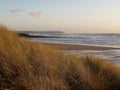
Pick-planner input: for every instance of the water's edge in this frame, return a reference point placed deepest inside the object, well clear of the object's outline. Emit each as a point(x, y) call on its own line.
point(111, 55)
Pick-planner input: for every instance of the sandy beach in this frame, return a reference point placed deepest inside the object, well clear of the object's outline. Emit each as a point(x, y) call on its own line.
point(76, 47)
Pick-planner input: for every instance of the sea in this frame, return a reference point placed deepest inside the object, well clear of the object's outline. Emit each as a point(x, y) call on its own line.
point(98, 39)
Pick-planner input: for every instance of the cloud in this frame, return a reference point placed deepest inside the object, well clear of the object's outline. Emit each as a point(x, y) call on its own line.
point(16, 10)
point(34, 13)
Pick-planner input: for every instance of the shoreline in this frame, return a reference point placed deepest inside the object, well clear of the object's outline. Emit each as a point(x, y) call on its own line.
point(76, 46)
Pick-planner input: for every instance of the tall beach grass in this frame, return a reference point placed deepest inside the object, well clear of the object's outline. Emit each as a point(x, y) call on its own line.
point(28, 66)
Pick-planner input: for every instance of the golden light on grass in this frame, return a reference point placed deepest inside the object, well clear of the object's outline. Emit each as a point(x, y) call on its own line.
point(29, 66)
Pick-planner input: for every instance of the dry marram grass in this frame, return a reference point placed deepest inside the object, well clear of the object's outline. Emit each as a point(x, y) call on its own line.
point(28, 66)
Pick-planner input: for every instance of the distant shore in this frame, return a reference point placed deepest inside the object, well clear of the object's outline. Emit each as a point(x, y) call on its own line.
point(76, 47)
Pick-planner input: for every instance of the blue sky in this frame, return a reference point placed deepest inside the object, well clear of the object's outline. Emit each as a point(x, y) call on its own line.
point(83, 16)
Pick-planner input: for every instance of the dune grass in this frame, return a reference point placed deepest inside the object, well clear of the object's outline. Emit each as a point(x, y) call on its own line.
point(28, 66)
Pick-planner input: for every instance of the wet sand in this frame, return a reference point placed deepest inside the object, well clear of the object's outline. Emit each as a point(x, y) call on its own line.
point(76, 47)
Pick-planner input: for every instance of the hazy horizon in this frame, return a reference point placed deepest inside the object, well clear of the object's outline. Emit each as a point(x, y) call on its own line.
point(72, 16)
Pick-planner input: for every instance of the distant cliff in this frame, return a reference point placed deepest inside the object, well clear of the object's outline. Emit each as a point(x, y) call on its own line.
point(54, 32)
point(31, 34)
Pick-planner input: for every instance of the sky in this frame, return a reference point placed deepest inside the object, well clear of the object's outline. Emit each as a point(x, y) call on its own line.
point(73, 16)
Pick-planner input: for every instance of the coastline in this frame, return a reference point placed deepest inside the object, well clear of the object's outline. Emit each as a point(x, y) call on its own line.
point(109, 53)
point(76, 47)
